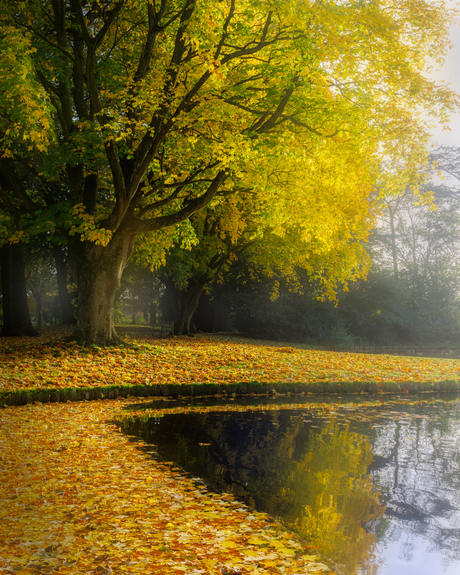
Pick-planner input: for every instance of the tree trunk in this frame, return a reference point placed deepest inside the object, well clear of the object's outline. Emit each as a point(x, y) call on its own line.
point(16, 316)
point(98, 272)
point(189, 303)
point(204, 315)
point(393, 243)
point(183, 303)
point(67, 315)
point(153, 314)
point(38, 307)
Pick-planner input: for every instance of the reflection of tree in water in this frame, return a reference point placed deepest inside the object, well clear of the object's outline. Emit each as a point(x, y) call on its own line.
point(339, 497)
point(316, 480)
point(417, 466)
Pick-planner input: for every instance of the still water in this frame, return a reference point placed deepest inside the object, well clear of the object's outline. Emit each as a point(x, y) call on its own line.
point(374, 486)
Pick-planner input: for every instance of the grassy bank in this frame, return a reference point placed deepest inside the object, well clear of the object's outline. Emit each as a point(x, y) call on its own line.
point(49, 369)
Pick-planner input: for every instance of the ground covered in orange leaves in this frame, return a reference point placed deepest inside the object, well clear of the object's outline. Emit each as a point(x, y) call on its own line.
point(31, 363)
point(78, 497)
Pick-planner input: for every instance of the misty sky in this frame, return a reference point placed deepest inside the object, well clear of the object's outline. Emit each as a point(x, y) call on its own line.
point(451, 74)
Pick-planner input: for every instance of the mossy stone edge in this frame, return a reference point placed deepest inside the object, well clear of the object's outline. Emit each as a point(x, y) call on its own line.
point(27, 396)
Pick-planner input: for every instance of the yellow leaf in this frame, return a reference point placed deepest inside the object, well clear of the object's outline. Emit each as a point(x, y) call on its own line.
point(257, 541)
point(251, 552)
point(286, 551)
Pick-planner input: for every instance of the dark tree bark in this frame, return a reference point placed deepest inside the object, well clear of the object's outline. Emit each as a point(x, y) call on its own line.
point(204, 315)
point(38, 306)
point(393, 243)
point(98, 272)
point(189, 302)
point(153, 313)
point(67, 315)
point(16, 316)
point(183, 304)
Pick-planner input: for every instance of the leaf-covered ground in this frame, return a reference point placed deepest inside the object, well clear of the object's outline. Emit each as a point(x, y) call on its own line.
point(78, 497)
point(33, 364)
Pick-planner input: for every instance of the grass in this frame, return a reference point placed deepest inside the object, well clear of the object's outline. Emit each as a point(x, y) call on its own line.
point(49, 369)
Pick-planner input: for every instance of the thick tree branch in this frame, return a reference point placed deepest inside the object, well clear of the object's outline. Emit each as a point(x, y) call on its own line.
point(153, 138)
point(160, 203)
point(148, 47)
point(224, 36)
point(264, 125)
point(63, 86)
point(136, 225)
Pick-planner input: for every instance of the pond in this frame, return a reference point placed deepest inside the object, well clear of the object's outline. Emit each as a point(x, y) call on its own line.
point(374, 486)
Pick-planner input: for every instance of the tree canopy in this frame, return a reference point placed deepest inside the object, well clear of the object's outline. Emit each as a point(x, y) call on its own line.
point(275, 240)
point(123, 117)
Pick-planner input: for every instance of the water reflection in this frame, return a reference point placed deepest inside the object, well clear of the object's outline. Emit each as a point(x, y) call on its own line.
point(337, 495)
point(416, 462)
point(376, 489)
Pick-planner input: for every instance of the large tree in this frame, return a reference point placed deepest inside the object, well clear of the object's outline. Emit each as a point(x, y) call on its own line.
point(121, 117)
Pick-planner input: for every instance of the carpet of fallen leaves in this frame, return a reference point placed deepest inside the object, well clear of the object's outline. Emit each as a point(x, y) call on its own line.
point(33, 363)
point(79, 497)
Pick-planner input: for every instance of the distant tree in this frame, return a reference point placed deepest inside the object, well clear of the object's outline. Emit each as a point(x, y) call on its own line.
point(410, 295)
point(273, 307)
point(60, 257)
point(376, 310)
point(446, 162)
point(140, 291)
point(46, 278)
point(420, 246)
point(41, 280)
